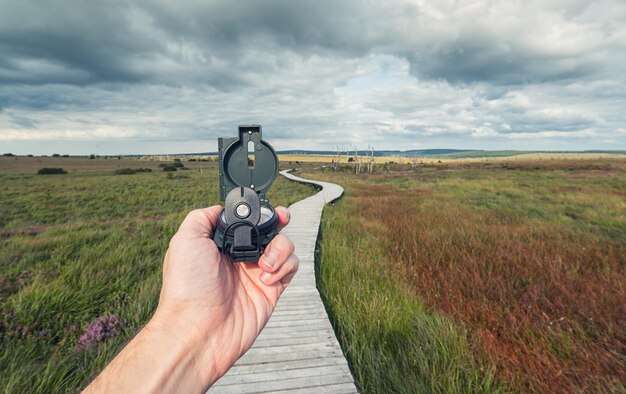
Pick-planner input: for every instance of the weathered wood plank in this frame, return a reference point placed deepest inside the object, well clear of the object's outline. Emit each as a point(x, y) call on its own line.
point(319, 337)
point(279, 366)
point(310, 371)
point(260, 358)
point(283, 384)
point(297, 351)
point(341, 388)
point(306, 332)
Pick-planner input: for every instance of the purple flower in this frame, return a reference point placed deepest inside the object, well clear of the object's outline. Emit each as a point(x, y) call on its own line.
point(98, 330)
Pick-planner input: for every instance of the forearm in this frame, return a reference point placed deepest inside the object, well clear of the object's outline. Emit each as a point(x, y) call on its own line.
point(159, 359)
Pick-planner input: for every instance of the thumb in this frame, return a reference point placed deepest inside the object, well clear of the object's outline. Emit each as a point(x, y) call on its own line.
point(200, 223)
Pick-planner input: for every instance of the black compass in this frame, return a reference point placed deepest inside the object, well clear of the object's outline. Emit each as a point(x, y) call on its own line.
point(248, 166)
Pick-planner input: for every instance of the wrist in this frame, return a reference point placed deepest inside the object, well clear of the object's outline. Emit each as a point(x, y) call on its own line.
point(161, 358)
point(187, 346)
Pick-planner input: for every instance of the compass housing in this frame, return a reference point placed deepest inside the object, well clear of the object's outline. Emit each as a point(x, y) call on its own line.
point(247, 168)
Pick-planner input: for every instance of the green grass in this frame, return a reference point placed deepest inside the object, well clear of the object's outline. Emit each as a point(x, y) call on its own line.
point(78, 246)
point(479, 278)
point(395, 344)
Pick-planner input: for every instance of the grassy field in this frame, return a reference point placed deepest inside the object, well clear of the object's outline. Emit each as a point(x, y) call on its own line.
point(80, 260)
point(459, 276)
point(480, 276)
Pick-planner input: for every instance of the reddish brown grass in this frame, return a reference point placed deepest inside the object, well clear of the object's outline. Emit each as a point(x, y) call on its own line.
point(546, 303)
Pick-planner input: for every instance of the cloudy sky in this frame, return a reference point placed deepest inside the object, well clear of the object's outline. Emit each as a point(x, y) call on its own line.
point(169, 76)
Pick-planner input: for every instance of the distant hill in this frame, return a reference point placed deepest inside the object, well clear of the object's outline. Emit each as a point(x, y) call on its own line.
point(406, 153)
point(432, 153)
point(507, 153)
point(443, 153)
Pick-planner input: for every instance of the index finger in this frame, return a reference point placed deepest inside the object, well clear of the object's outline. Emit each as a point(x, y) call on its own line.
point(284, 216)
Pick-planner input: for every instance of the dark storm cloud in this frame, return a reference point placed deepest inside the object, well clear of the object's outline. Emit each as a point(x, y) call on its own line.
point(339, 72)
point(172, 42)
point(68, 42)
point(93, 42)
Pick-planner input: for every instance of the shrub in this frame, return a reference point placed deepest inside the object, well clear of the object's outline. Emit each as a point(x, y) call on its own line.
point(92, 156)
point(51, 171)
point(177, 176)
point(176, 164)
point(8, 154)
point(130, 171)
point(170, 168)
point(56, 155)
point(125, 171)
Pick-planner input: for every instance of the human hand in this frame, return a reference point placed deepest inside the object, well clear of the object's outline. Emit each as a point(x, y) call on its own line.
point(210, 312)
point(221, 305)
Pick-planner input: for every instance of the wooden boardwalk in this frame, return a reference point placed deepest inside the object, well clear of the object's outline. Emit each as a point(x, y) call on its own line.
point(297, 351)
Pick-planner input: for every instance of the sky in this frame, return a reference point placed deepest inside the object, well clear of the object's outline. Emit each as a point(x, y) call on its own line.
point(124, 77)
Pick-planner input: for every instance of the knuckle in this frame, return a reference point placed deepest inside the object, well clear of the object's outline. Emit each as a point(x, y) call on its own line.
point(283, 244)
point(286, 212)
point(295, 263)
point(195, 215)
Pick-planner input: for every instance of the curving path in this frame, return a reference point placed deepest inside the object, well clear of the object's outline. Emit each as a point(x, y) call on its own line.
point(297, 351)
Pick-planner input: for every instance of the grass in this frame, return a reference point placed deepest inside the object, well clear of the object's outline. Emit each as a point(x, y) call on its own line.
point(461, 276)
point(481, 277)
point(84, 245)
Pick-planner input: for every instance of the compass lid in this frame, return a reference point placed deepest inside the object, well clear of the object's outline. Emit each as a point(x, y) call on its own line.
point(247, 161)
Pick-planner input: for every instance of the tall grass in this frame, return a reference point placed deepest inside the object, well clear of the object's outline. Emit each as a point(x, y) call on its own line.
point(393, 341)
point(83, 246)
point(515, 271)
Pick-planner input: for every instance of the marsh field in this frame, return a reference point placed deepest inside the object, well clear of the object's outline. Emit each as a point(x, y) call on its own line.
point(80, 260)
point(485, 276)
point(490, 276)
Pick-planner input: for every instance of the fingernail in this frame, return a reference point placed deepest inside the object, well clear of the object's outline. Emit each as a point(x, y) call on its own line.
point(266, 277)
point(268, 260)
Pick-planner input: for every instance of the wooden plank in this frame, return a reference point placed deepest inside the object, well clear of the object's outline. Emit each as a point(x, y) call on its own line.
point(302, 315)
point(297, 350)
point(284, 384)
point(318, 325)
point(280, 366)
point(306, 332)
point(287, 374)
point(341, 388)
point(293, 310)
point(318, 337)
point(296, 322)
point(259, 358)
